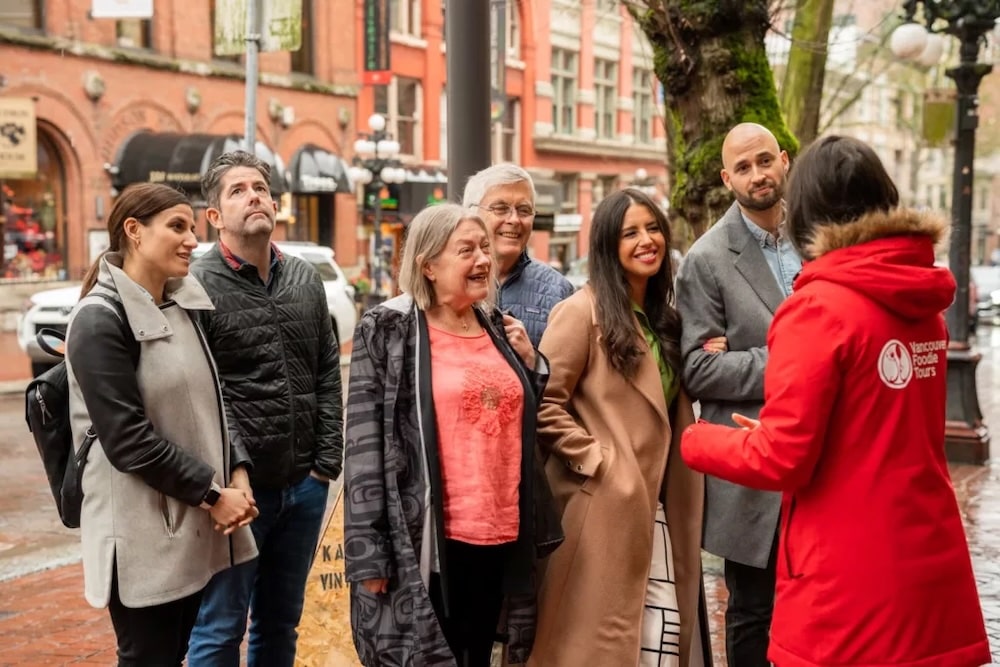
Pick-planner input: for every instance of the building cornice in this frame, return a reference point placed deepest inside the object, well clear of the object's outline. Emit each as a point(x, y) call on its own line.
point(572, 145)
point(152, 60)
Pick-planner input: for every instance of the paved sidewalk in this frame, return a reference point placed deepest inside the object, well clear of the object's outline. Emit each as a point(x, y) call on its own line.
point(44, 620)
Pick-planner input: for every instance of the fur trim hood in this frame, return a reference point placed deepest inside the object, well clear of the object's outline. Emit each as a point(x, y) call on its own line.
point(878, 225)
point(888, 257)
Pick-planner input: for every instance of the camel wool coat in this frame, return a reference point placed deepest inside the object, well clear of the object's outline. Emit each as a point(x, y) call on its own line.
point(612, 455)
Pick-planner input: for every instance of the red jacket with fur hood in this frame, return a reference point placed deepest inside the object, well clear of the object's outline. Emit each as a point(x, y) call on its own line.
point(873, 566)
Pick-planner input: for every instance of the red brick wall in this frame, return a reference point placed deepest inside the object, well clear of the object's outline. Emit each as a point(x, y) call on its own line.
point(138, 97)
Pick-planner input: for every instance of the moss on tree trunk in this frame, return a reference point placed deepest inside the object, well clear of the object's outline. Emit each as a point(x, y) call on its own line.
point(709, 55)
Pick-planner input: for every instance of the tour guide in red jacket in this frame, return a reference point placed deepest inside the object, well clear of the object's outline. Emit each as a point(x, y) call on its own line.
point(873, 566)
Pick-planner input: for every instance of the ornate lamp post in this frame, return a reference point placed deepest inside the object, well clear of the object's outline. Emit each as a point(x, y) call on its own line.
point(375, 164)
point(966, 437)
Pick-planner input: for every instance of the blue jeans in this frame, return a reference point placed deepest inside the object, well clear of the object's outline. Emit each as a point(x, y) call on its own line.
point(272, 586)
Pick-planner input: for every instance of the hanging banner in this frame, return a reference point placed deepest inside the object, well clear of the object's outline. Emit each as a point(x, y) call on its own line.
point(18, 138)
point(377, 70)
point(498, 58)
point(280, 26)
point(121, 9)
point(325, 638)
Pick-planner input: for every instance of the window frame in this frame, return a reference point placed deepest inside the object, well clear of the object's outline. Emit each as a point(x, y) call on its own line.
point(605, 98)
point(565, 63)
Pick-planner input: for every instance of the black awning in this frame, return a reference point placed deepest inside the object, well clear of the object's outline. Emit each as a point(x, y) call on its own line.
point(180, 160)
point(317, 170)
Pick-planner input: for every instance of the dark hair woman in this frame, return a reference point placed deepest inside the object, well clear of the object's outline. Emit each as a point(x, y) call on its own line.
point(873, 566)
point(158, 516)
point(624, 589)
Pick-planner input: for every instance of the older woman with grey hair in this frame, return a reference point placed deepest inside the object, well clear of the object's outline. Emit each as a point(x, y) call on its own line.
point(446, 506)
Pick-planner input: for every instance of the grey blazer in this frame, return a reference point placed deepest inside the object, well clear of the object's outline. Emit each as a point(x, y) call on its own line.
point(725, 288)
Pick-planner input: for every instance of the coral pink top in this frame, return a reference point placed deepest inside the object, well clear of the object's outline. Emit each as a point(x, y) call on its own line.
point(479, 403)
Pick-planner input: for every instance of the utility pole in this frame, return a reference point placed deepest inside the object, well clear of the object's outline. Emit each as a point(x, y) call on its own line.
point(252, 49)
point(467, 35)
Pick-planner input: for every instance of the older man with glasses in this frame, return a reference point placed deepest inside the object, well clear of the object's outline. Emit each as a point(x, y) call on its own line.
point(504, 194)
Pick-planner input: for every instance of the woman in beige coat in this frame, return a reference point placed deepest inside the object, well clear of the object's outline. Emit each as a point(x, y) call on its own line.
point(166, 499)
point(625, 587)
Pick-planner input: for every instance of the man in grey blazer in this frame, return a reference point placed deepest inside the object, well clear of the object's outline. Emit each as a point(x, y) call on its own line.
point(729, 285)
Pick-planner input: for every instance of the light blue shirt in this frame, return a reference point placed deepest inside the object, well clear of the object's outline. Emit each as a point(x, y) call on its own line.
point(780, 254)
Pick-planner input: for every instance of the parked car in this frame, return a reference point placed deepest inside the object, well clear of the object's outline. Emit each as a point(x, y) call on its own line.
point(577, 273)
point(984, 282)
point(51, 308)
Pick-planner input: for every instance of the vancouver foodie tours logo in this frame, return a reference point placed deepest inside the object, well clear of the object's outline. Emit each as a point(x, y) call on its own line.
point(899, 363)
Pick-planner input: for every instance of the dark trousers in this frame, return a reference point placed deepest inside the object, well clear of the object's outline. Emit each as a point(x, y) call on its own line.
point(748, 613)
point(154, 636)
point(475, 596)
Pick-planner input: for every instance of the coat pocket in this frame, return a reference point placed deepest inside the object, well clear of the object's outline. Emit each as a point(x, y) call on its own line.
point(168, 520)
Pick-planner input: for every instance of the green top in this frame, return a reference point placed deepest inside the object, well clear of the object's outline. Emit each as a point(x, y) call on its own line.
point(668, 378)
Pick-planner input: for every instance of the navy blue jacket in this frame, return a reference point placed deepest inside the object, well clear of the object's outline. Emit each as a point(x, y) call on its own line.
point(530, 292)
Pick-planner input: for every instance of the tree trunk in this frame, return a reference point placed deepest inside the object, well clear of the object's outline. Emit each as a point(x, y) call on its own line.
point(710, 58)
point(802, 88)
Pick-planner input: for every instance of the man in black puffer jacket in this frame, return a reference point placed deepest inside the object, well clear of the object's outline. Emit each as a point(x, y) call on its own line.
point(272, 339)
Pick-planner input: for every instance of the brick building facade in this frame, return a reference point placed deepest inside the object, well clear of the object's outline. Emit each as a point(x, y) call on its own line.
point(581, 112)
point(119, 101)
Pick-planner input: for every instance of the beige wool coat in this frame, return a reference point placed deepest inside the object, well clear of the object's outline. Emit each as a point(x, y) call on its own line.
point(164, 549)
point(614, 451)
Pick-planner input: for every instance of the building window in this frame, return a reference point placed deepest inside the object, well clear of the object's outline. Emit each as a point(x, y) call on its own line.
point(400, 102)
point(568, 190)
point(605, 95)
point(513, 29)
point(25, 14)
point(506, 133)
point(404, 17)
point(32, 221)
point(134, 33)
point(604, 186)
point(608, 6)
point(642, 106)
point(564, 74)
point(303, 60)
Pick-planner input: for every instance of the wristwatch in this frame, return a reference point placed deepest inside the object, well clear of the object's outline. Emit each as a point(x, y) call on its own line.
point(211, 496)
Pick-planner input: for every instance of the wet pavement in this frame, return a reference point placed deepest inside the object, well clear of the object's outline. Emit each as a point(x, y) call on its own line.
point(44, 620)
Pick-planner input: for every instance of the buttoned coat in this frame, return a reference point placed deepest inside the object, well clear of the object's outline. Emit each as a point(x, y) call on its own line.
point(725, 288)
point(161, 441)
point(613, 453)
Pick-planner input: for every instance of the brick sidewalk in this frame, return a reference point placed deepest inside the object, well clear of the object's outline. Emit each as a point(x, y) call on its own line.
point(44, 620)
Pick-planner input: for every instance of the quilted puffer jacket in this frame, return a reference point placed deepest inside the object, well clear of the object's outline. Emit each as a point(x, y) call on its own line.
point(530, 293)
point(279, 365)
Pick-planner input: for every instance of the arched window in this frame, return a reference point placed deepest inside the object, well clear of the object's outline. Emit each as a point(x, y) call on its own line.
point(33, 220)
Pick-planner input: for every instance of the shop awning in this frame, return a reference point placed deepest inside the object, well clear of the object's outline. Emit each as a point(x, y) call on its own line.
point(317, 170)
point(180, 160)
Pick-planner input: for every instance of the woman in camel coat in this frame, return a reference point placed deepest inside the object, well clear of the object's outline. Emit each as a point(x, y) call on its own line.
point(612, 439)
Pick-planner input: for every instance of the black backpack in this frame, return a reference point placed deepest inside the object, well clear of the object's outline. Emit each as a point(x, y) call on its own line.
point(46, 409)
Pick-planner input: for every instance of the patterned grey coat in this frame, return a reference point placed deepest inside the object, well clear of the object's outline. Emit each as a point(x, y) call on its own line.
point(393, 520)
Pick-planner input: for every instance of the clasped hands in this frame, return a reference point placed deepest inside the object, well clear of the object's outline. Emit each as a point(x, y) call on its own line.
point(236, 506)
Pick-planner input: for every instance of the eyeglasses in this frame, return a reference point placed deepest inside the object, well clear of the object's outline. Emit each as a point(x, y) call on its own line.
point(502, 210)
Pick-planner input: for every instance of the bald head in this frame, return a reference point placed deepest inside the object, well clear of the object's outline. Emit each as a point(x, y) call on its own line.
point(747, 133)
point(754, 167)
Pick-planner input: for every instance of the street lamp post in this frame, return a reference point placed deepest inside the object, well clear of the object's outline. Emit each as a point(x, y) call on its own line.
point(966, 436)
point(375, 164)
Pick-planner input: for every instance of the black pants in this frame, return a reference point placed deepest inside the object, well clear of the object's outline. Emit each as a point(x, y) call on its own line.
point(154, 636)
point(475, 596)
point(748, 613)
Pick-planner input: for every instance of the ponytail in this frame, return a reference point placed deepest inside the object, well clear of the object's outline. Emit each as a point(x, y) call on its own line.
point(90, 278)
